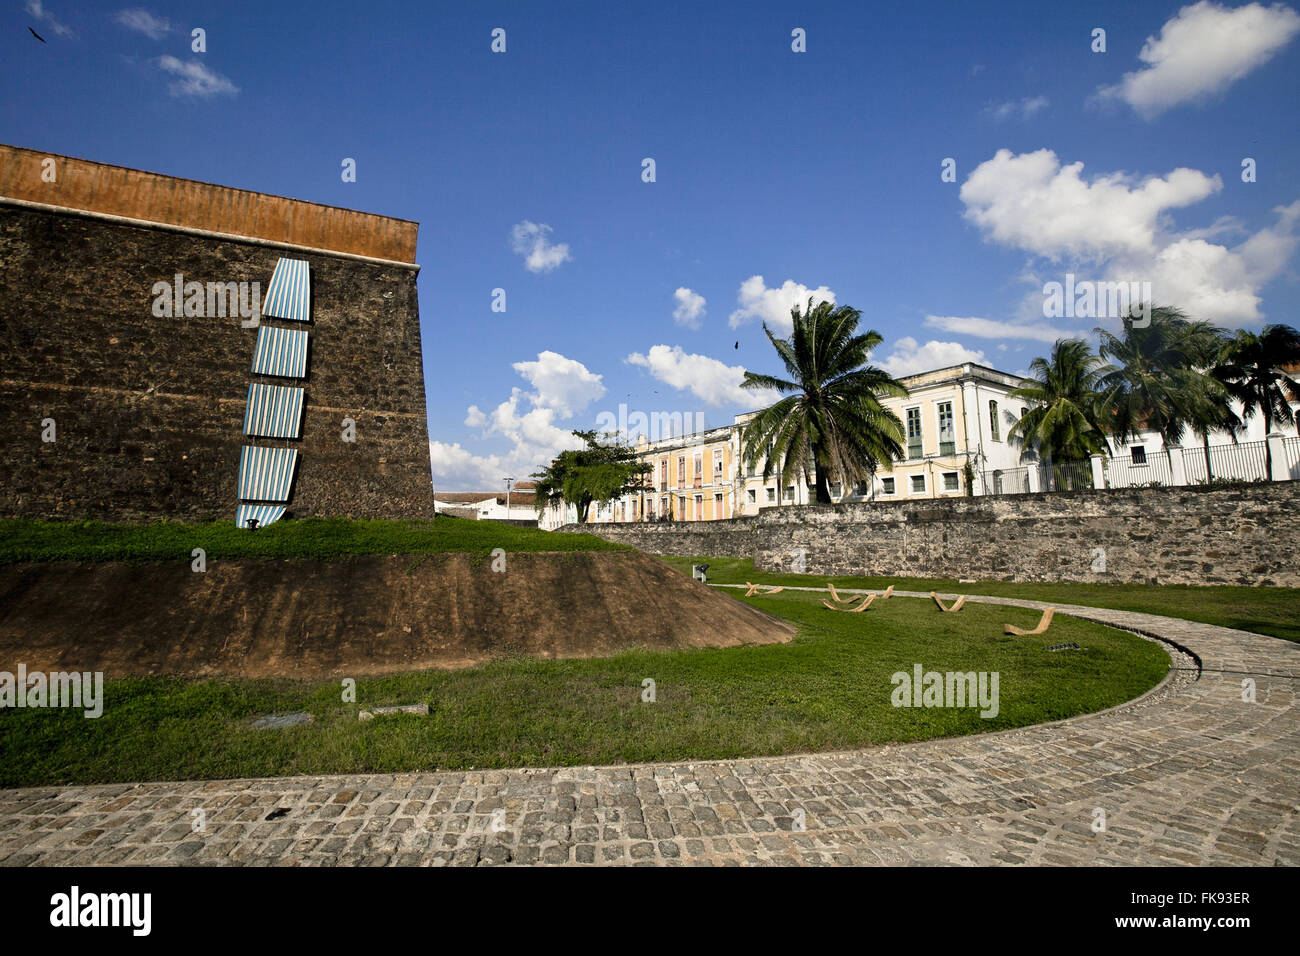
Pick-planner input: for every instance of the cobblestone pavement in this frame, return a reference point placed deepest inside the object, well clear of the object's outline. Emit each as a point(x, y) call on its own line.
point(1189, 774)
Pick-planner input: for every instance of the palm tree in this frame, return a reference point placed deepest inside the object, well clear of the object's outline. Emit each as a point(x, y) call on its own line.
point(832, 419)
point(1064, 420)
point(1157, 382)
point(1258, 371)
point(1212, 408)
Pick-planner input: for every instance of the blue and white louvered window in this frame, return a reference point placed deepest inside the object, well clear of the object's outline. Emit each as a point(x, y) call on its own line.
point(280, 352)
point(289, 294)
point(274, 411)
point(266, 474)
point(262, 514)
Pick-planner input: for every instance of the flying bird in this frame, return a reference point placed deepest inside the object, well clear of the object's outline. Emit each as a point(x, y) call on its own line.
point(737, 345)
point(35, 34)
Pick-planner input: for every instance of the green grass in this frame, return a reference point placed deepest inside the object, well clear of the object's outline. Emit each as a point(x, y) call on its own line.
point(1272, 611)
point(27, 540)
point(828, 689)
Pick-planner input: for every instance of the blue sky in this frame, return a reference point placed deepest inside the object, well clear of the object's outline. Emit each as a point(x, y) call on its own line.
point(817, 171)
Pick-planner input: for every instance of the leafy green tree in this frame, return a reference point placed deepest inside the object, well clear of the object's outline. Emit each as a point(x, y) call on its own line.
point(832, 421)
point(600, 472)
point(1258, 370)
point(1064, 421)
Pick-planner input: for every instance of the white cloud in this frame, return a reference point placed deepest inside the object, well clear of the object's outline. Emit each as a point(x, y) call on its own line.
point(909, 357)
point(534, 440)
point(758, 302)
point(690, 308)
point(142, 21)
point(526, 420)
point(1033, 202)
point(995, 329)
point(1024, 108)
point(529, 239)
point(1116, 228)
point(711, 381)
point(36, 10)
point(1202, 51)
point(456, 468)
point(195, 79)
point(564, 384)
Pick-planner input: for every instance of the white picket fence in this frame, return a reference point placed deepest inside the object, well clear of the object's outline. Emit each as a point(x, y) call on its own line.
point(1175, 466)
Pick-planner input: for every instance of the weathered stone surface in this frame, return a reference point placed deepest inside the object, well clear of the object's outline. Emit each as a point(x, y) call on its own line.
point(418, 710)
point(1189, 774)
point(1249, 534)
point(149, 411)
point(276, 721)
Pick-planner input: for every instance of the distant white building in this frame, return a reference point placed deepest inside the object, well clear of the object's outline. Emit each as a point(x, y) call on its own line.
point(488, 505)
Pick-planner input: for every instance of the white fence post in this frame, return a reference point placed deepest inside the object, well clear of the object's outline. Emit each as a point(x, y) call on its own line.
point(1277, 451)
point(1177, 467)
point(1033, 478)
point(1098, 472)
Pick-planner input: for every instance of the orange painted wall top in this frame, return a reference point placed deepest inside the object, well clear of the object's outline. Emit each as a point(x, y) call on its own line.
point(118, 191)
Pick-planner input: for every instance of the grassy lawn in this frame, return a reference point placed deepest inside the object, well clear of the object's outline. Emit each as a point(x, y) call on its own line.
point(828, 689)
point(1273, 611)
point(26, 540)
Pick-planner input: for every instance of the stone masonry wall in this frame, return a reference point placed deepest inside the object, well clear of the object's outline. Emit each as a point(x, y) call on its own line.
point(1246, 535)
point(734, 537)
point(149, 411)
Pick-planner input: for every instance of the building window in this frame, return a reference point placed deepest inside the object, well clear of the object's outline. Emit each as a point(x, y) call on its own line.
point(663, 475)
point(681, 472)
point(753, 496)
point(717, 465)
point(886, 486)
point(947, 433)
point(699, 470)
point(789, 493)
point(663, 506)
point(995, 430)
point(1139, 455)
point(717, 507)
point(860, 489)
point(771, 495)
point(918, 484)
point(681, 507)
point(699, 507)
point(913, 433)
point(950, 481)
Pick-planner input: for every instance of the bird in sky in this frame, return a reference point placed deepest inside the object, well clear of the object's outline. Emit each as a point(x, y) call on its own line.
point(35, 34)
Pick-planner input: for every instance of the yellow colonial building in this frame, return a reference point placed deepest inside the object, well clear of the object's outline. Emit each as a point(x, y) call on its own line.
point(951, 417)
